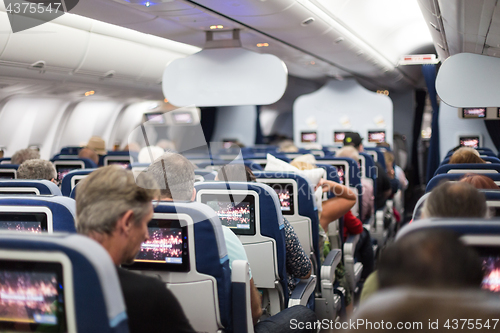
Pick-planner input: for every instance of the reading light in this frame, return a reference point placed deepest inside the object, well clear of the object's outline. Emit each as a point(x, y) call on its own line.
point(262, 45)
point(219, 26)
point(147, 4)
point(165, 100)
point(89, 93)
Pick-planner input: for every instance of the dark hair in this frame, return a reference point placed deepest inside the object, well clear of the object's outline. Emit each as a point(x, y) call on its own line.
point(432, 258)
point(234, 173)
point(455, 199)
point(480, 181)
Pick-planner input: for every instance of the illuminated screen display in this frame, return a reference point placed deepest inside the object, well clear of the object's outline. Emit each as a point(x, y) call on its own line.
point(7, 175)
point(23, 222)
point(376, 136)
point(338, 136)
point(469, 141)
point(285, 195)
point(309, 137)
point(340, 172)
point(236, 212)
point(474, 112)
point(31, 297)
point(166, 248)
point(490, 258)
point(63, 170)
point(227, 143)
point(183, 117)
point(155, 118)
point(123, 163)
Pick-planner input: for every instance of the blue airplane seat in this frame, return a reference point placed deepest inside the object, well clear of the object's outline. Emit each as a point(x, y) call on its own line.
point(72, 178)
point(87, 163)
point(379, 153)
point(491, 159)
point(468, 167)
point(5, 160)
point(80, 270)
point(28, 186)
point(206, 174)
point(70, 150)
point(271, 224)
point(124, 157)
point(8, 171)
point(436, 180)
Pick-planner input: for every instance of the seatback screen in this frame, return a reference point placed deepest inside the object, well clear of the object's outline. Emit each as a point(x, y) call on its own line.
point(7, 174)
point(469, 141)
point(338, 136)
point(23, 222)
point(63, 170)
point(285, 196)
point(183, 117)
point(155, 118)
point(166, 249)
point(474, 112)
point(31, 297)
point(490, 258)
point(123, 163)
point(376, 136)
point(340, 172)
point(309, 137)
point(236, 212)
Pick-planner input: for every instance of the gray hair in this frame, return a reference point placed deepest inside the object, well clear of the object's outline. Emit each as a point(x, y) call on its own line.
point(175, 176)
point(348, 151)
point(23, 155)
point(37, 169)
point(108, 193)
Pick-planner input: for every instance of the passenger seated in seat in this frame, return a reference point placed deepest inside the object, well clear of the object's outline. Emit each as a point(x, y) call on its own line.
point(97, 144)
point(384, 190)
point(90, 154)
point(430, 259)
point(175, 177)
point(114, 211)
point(298, 264)
point(478, 181)
point(37, 169)
point(23, 155)
point(455, 199)
point(466, 155)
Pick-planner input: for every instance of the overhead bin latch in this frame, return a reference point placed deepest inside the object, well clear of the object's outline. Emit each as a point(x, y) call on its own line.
point(220, 40)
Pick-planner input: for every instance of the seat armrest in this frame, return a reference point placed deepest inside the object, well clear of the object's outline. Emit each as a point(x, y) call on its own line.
point(350, 245)
point(241, 306)
point(330, 264)
point(302, 291)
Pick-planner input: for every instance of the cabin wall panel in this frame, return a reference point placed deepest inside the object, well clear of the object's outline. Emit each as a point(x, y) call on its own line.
point(28, 121)
point(451, 127)
point(342, 106)
point(236, 122)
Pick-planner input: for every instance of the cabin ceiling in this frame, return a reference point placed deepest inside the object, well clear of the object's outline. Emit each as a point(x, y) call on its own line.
point(317, 39)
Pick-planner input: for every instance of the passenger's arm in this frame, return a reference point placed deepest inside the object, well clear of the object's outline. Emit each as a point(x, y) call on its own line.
point(255, 302)
point(335, 208)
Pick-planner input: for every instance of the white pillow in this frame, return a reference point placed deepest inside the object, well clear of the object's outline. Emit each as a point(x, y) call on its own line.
point(313, 176)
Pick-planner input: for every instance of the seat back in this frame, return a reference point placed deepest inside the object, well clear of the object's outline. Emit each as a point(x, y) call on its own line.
point(303, 213)
point(8, 171)
point(70, 150)
point(28, 187)
point(72, 178)
point(377, 154)
point(122, 158)
point(74, 277)
point(38, 213)
point(65, 165)
point(468, 167)
point(491, 159)
point(196, 266)
point(436, 180)
point(206, 174)
point(253, 212)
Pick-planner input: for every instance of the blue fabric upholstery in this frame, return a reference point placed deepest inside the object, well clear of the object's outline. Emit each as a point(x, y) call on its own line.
point(87, 162)
point(307, 206)
point(63, 209)
point(207, 175)
point(209, 259)
point(45, 187)
point(466, 166)
point(436, 180)
point(331, 174)
point(271, 220)
point(8, 167)
point(380, 155)
point(93, 308)
point(4, 160)
point(66, 182)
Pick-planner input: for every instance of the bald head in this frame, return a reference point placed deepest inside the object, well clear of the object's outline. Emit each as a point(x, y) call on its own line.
point(455, 199)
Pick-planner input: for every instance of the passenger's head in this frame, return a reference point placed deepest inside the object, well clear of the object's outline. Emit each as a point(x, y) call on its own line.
point(307, 158)
point(432, 258)
point(90, 154)
point(97, 144)
point(466, 155)
point(112, 209)
point(348, 151)
point(353, 139)
point(301, 165)
point(175, 176)
point(480, 181)
point(455, 199)
point(23, 155)
point(37, 169)
point(235, 173)
point(287, 146)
